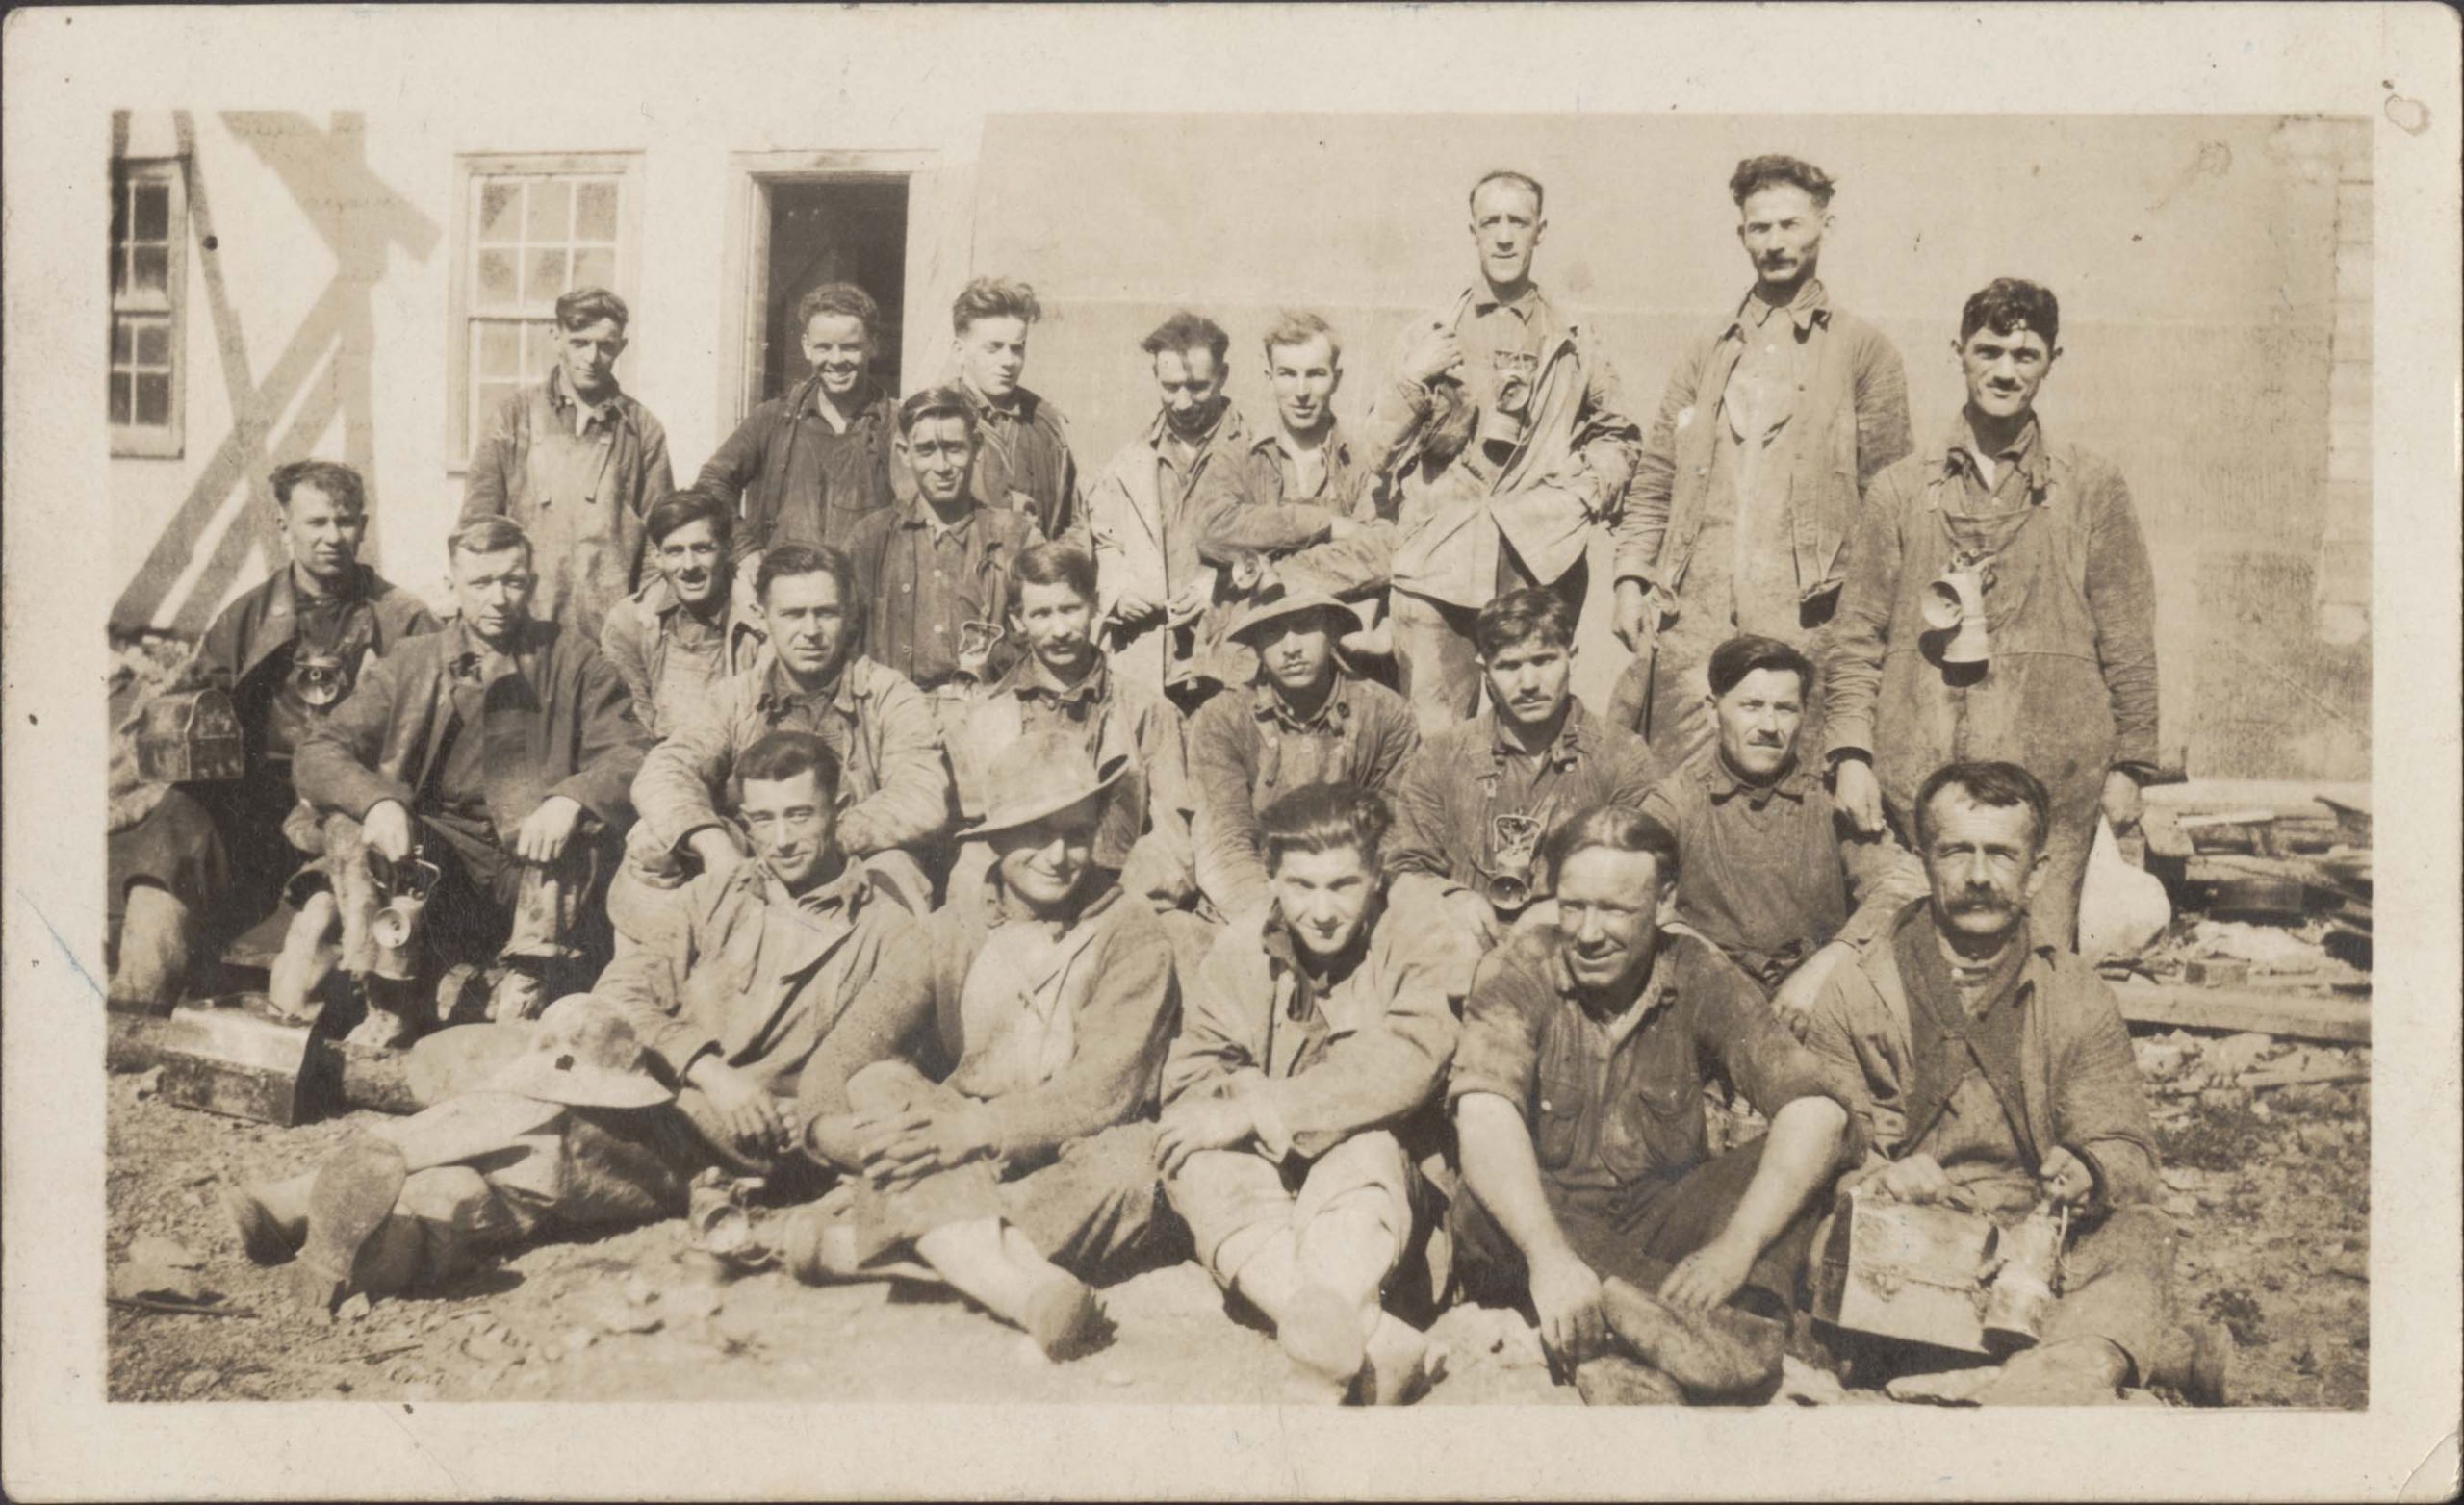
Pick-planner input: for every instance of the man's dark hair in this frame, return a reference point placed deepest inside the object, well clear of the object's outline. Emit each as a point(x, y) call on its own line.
point(492, 534)
point(1741, 655)
point(2007, 305)
point(840, 299)
point(993, 298)
point(1052, 564)
point(1618, 828)
point(1522, 180)
point(785, 560)
point(339, 483)
point(684, 509)
point(1518, 617)
point(1995, 786)
point(787, 753)
point(1756, 173)
point(934, 403)
point(1326, 818)
point(584, 307)
point(1185, 332)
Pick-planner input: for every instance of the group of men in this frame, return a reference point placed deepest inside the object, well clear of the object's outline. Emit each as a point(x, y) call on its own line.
point(1025, 881)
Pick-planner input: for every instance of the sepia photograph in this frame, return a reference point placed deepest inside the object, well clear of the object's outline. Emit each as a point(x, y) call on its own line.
point(1016, 718)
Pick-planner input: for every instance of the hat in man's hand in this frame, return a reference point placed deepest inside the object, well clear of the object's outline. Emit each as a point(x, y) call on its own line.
point(586, 1054)
point(1038, 774)
point(1278, 603)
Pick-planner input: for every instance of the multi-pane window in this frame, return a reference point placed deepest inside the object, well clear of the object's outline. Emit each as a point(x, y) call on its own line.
point(149, 226)
point(534, 229)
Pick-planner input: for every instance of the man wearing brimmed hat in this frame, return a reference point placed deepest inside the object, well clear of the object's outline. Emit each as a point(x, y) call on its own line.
point(1481, 799)
point(1014, 1146)
point(1299, 1089)
point(1307, 720)
point(575, 1132)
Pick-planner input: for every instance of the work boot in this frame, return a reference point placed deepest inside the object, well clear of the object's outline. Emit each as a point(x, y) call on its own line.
point(1319, 1330)
point(1616, 1380)
point(156, 934)
point(2077, 1372)
point(392, 1020)
point(351, 1198)
point(520, 992)
point(1727, 1355)
point(1066, 1319)
point(265, 1235)
point(2203, 1374)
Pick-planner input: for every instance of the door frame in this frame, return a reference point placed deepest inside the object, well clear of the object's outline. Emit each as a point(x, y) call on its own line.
point(743, 320)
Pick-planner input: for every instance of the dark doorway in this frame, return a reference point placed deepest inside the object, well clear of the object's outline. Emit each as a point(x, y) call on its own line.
point(833, 230)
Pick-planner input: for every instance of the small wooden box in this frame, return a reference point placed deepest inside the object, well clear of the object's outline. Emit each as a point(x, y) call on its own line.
point(235, 1061)
point(191, 737)
point(1906, 1272)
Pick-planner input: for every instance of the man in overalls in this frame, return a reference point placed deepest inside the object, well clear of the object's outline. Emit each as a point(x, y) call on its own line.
point(2000, 605)
point(1750, 485)
point(1550, 459)
point(578, 464)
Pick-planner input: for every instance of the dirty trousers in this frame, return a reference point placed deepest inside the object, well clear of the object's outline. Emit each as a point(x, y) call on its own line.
point(2118, 1285)
point(1220, 1193)
point(487, 903)
point(1089, 1211)
point(1638, 1232)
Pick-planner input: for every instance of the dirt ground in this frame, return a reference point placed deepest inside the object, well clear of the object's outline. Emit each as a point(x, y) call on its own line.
point(2271, 1189)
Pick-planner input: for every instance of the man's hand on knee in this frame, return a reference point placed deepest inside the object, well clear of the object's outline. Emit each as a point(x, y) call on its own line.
point(1565, 1295)
point(543, 836)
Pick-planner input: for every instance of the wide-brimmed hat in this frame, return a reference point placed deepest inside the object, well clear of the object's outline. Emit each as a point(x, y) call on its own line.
point(1038, 774)
point(584, 1053)
point(1277, 602)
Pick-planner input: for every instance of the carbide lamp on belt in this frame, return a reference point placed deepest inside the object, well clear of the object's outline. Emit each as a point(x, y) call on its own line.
point(1955, 603)
point(395, 930)
point(1506, 883)
point(976, 640)
point(2020, 1295)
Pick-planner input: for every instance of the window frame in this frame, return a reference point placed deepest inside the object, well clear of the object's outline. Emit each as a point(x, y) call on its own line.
point(461, 424)
point(132, 440)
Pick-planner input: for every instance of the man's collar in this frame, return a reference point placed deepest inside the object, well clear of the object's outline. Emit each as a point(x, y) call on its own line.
point(1266, 702)
point(1031, 676)
point(1811, 305)
point(1527, 303)
point(1654, 991)
point(858, 403)
point(560, 392)
point(2028, 450)
point(1023, 407)
point(473, 657)
point(920, 513)
point(1336, 445)
point(1565, 750)
point(1723, 779)
point(354, 585)
point(846, 893)
point(783, 691)
point(1228, 431)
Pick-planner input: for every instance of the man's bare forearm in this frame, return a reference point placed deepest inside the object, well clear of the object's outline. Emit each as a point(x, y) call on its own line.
point(1501, 1170)
point(1799, 1156)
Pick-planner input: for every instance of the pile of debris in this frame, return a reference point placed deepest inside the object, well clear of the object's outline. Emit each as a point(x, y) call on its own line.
point(2270, 853)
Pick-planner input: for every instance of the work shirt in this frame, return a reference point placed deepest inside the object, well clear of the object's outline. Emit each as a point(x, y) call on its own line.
point(579, 480)
point(1613, 1095)
point(1022, 464)
point(1112, 719)
point(1321, 1057)
point(1766, 872)
point(1143, 520)
point(459, 786)
point(795, 478)
point(671, 658)
point(1246, 748)
point(1447, 836)
point(925, 580)
point(1274, 499)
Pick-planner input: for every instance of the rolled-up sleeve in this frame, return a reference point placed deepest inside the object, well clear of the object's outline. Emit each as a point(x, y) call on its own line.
point(1759, 1055)
point(1499, 1049)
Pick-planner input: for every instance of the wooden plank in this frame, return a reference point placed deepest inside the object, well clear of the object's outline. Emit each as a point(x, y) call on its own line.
point(2294, 1016)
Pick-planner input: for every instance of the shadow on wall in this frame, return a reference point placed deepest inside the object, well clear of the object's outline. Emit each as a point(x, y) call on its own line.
point(361, 219)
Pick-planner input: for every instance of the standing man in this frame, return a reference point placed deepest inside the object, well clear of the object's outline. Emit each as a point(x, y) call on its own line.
point(1656, 1269)
point(501, 750)
point(577, 464)
point(193, 865)
point(1767, 863)
point(1990, 1067)
point(1307, 720)
point(1550, 455)
point(1315, 1038)
point(1026, 465)
point(685, 629)
point(803, 469)
point(2000, 605)
point(1159, 594)
point(1747, 493)
point(1480, 800)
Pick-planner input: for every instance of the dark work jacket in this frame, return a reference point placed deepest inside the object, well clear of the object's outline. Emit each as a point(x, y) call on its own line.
point(801, 481)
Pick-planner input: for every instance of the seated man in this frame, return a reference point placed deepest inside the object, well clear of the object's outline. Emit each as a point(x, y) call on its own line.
point(500, 751)
point(1480, 796)
point(1016, 1147)
point(1767, 863)
point(1314, 1041)
point(1578, 1094)
point(813, 679)
point(1307, 719)
point(683, 631)
point(1062, 682)
point(1990, 1067)
point(192, 866)
point(582, 1133)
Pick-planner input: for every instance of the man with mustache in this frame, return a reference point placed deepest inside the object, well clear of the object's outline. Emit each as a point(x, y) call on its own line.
point(1481, 798)
point(1990, 1069)
point(501, 751)
point(1296, 1094)
point(1159, 594)
point(802, 469)
point(193, 865)
point(1023, 463)
point(1768, 862)
point(1010, 1151)
point(684, 630)
point(1551, 451)
point(2035, 547)
point(577, 462)
point(1307, 720)
point(1748, 489)
point(1658, 1270)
